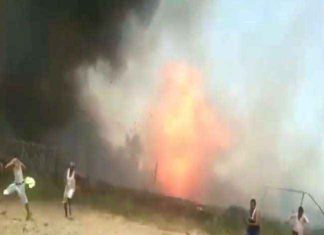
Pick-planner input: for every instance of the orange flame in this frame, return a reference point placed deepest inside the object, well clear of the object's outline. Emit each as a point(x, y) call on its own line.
point(184, 133)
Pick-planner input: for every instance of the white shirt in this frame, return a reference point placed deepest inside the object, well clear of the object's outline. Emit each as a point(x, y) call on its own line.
point(19, 178)
point(70, 179)
point(298, 224)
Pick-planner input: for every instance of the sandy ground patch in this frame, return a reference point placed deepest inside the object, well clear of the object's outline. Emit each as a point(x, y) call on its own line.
point(48, 219)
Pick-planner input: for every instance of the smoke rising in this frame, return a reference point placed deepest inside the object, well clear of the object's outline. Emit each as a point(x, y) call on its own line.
point(43, 43)
point(98, 73)
point(253, 75)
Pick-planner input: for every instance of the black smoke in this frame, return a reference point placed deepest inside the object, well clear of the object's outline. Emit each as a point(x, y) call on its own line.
point(41, 43)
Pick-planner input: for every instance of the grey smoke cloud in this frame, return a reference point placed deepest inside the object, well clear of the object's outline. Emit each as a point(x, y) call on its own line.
point(91, 68)
point(254, 79)
point(42, 42)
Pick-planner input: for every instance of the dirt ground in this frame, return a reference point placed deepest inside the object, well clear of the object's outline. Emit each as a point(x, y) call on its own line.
point(48, 219)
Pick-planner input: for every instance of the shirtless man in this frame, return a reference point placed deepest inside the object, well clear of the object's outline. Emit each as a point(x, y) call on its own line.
point(69, 190)
point(253, 225)
point(19, 184)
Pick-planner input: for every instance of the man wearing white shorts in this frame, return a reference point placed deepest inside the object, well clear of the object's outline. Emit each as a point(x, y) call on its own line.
point(69, 190)
point(19, 184)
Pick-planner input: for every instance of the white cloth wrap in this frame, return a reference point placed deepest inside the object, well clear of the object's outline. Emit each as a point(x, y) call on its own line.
point(19, 189)
point(70, 186)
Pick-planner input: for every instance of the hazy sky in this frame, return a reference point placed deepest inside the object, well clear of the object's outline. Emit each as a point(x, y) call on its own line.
point(262, 67)
point(283, 39)
point(260, 45)
point(261, 27)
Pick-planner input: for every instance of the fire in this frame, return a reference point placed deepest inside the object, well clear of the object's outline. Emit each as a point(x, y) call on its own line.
point(184, 133)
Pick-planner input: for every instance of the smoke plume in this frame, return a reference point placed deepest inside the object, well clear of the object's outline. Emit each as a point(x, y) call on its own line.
point(252, 81)
point(87, 74)
point(42, 43)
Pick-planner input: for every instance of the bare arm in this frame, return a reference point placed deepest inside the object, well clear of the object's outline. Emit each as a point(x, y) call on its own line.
point(9, 164)
point(12, 162)
point(22, 165)
point(257, 219)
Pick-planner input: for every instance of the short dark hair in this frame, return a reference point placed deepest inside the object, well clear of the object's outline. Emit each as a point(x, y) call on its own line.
point(301, 209)
point(300, 212)
point(253, 200)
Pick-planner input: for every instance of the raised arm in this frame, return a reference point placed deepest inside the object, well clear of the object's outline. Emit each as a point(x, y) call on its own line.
point(12, 162)
point(9, 164)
